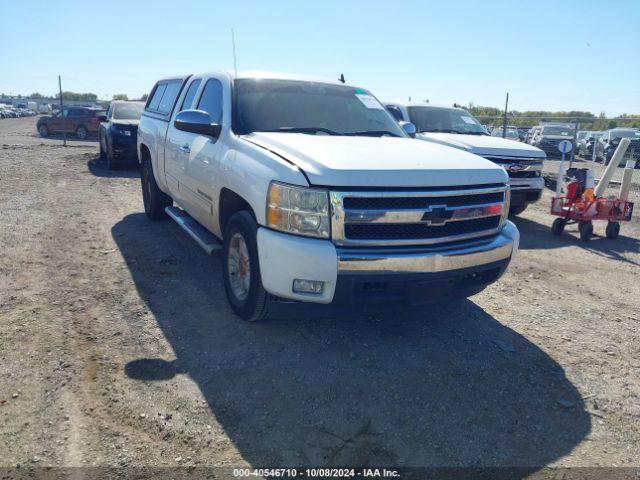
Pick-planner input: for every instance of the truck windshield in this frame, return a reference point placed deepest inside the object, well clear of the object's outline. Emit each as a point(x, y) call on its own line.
point(564, 131)
point(625, 134)
point(449, 120)
point(128, 111)
point(274, 105)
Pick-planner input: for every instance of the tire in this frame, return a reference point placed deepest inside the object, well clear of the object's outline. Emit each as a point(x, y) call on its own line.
point(103, 155)
point(517, 210)
point(248, 298)
point(613, 230)
point(154, 199)
point(82, 132)
point(558, 226)
point(111, 163)
point(586, 230)
point(43, 130)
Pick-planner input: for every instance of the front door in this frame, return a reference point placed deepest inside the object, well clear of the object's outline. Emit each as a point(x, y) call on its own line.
point(197, 157)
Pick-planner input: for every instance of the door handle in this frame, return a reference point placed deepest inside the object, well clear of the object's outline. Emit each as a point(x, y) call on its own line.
point(185, 148)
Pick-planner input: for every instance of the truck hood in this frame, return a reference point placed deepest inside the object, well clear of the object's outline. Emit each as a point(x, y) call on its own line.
point(484, 144)
point(555, 137)
point(344, 161)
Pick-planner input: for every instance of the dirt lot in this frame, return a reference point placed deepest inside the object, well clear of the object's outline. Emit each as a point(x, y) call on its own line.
point(118, 347)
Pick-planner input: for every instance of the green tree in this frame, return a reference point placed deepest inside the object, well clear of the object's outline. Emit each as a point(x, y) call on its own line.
point(86, 97)
point(120, 96)
point(36, 96)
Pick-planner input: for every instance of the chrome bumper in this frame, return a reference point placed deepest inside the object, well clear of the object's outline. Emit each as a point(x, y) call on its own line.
point(423, 260)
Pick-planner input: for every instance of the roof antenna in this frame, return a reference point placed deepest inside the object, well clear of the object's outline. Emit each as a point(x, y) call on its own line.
point(341, 77)
point(235, 61)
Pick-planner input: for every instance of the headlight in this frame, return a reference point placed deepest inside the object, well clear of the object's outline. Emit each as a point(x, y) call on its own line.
point(120, 131)
point(299, 210)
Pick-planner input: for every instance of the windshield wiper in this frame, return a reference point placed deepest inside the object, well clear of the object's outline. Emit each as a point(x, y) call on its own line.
point(303, 130)
point(372, 133)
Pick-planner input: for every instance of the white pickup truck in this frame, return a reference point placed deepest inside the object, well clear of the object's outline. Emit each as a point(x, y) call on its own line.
point(457, 128)
point(315, 195)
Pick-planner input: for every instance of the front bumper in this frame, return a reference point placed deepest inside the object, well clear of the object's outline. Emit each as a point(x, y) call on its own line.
point(345, 272)
point(525, 190)
point(123, 146)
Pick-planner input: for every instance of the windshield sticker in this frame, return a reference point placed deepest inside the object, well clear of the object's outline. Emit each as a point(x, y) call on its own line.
point(468, 120)
point(368, 101)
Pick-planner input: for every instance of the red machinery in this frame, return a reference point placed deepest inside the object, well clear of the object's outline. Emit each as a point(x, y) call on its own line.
point(580, 206)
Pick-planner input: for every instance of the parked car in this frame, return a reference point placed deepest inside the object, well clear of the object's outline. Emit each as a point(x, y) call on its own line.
point(8, 111)
point(511, 133)
point(83, 121)
point(317, 196)
point(532, 133)
point(549, 136)
point(522, 133)
point(455, 127)
point(584, 143)
point(45, 109)
point(118, 133)
point(609, 141)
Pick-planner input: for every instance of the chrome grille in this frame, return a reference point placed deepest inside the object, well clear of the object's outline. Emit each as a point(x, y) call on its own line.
point(519, 167)
point(378, 218)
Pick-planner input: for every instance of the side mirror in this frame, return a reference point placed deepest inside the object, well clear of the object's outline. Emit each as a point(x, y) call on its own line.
point(102, 118)
point(197, 121)
point(409, 128)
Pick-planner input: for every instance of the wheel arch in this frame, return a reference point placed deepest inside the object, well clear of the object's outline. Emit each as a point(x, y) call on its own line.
point(230, 203)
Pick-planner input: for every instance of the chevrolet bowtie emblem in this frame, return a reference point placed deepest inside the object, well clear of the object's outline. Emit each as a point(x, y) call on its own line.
point(436, 216)
point(514, 167)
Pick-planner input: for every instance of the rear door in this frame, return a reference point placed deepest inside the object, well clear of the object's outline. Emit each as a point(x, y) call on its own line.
point(178, 141)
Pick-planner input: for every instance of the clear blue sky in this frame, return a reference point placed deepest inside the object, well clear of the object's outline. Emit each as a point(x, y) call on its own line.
point(552, 55)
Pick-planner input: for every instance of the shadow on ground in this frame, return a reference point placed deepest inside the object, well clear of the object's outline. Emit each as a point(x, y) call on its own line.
point(537, 236)
point(71, 138)
point(99, 168)
point(450, 386)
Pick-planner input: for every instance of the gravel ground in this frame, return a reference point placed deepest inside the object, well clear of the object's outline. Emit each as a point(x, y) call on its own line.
point(118, 347)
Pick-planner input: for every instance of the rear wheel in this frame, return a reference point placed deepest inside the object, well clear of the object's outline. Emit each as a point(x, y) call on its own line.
point(241, 268)
point(558, 226)
point(155, 200)
point(586, 230)
point(43, 131)
point(613, 230)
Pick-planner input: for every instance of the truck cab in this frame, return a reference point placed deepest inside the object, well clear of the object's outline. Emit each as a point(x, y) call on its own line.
point(457, 128)
point(316, 196)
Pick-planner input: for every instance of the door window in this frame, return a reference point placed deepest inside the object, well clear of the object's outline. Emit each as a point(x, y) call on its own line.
point(169, 97)
point(187, 103)
point(211, 100)
point(157, 96)
point(395, 112)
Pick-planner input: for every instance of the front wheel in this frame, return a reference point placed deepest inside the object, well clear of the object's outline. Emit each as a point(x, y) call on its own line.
point(517, 210)
point(82, 133)
point(103, 155)
point(154, 199)
point(241, 268)
point(43, 131)
point(558, 226)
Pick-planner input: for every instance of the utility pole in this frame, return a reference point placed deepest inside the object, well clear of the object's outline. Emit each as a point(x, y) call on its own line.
point(64, 122)
point(504, 119)
point(576, 126)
